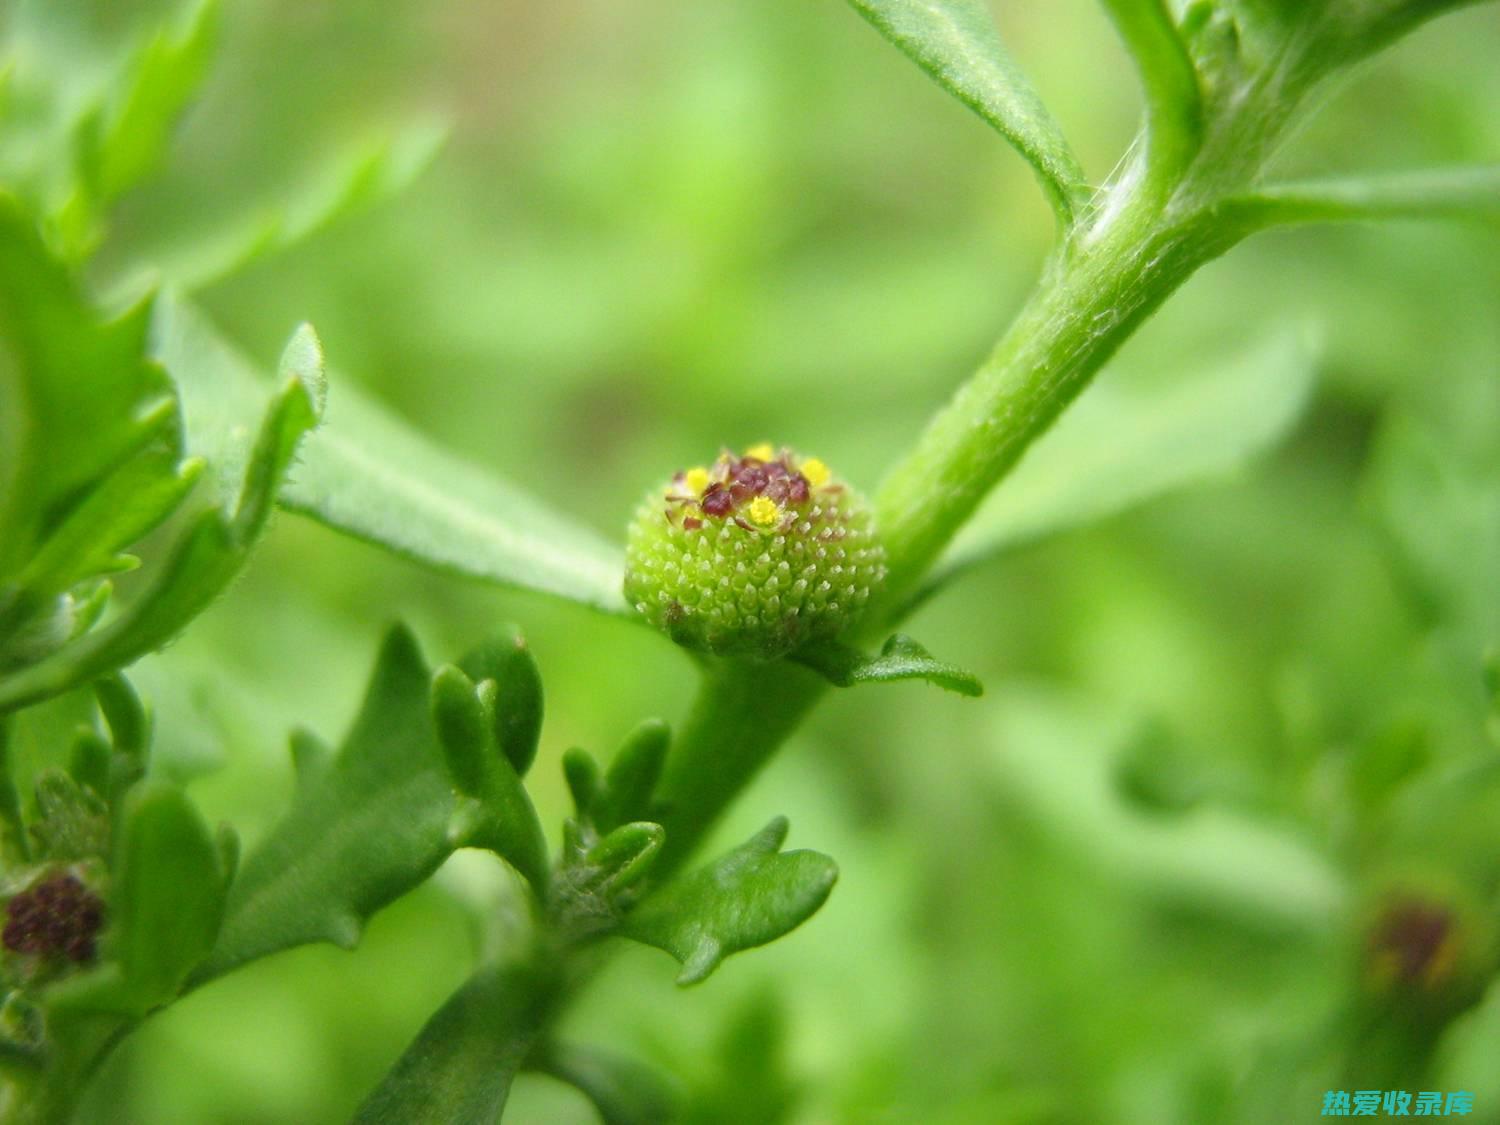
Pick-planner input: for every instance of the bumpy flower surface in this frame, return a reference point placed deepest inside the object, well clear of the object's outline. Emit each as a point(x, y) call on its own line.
point(753, 555)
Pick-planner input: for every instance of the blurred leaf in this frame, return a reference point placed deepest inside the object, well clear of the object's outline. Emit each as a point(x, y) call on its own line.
point(1441, 509)
point(354, 180)
point(209, 553)
point(369, 475)
point(1431, 193)
point(901, 658)
point(1122, 445)
point(494, 811)
point(624, 1091)
point(360, 833)
point(126, 139)
point(459, 1069)
point(751, 896)
point(1383, 761)
point(1055, 761)
point(514, 703)
point(747, 1080)
point(956, 43)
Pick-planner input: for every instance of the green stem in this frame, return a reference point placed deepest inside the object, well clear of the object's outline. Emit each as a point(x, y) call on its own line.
point(1096, 292)
point(743, 712)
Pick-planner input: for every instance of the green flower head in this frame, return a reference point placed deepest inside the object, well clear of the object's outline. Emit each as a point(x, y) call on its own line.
point(753, 555)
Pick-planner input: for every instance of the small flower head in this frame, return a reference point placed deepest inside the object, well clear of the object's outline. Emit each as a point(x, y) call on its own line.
point(753, 555)
point(56, 917)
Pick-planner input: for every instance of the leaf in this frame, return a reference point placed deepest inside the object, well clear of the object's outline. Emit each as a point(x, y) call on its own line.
point(1432, 193)
point(1122, 445)
point(170, 895)
point(901, 658)
point(126, 139)
point(631, 780)
point(360, 833)
point(369, 475)
point(355, 179)
point(495, 812)
point(459, 1069)
point(514, 705)
point(956, 43)
point(165, 909)
point(751, 896)
point(624, 1091)
point(63, 436)
point(205, 559)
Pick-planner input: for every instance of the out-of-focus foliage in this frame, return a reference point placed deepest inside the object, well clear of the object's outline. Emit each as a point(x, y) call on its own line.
point(1227, 733)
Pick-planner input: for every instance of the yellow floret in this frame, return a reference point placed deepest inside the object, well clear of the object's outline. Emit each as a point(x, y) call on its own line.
point(696, 480)
point(815, 471)
point(764, 511)
point(761, 452)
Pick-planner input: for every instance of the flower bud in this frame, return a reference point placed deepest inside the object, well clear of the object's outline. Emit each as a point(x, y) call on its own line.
point(753, 555)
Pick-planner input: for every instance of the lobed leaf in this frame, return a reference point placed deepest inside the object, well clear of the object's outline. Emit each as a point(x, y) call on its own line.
point(208, 555)
point(956, 43)
point(494, 811)
point(901, 658)
point(750, 897)
point(362, 830)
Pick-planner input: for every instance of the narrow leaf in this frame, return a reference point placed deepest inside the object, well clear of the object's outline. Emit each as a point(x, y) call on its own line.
point(1472, 192)
point(901, 658)
point(751, 896)
point(956, 43)
point(459, 1069)
point(624, 1091)
point(360, 833)
point(369, 475)
point(1122, 445)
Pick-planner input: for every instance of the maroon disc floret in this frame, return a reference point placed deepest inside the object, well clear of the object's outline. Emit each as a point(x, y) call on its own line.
point(54, 917)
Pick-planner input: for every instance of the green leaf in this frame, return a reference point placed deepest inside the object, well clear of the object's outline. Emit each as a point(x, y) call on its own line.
point(514, 701)
point(125, 140)
point(170, 895)
point(1432, 193)
point(367, 474)
point(956, 43)
point(63, 436)
point(901, 658)
point(751, 896)
point(495, 812)
point(165, 909)
point(1124, 444)
point(360, 833)
point(621, 859)
point(353, 180)
point(624, 1091)
point(459, 1069)
point(209, 554)
point(631, 780)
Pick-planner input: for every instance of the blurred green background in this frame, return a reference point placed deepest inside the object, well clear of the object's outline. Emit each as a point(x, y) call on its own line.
point(1224, 734)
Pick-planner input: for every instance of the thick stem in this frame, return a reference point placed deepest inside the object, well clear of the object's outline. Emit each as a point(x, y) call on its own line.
point(742, 713)
point(1097, 291)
